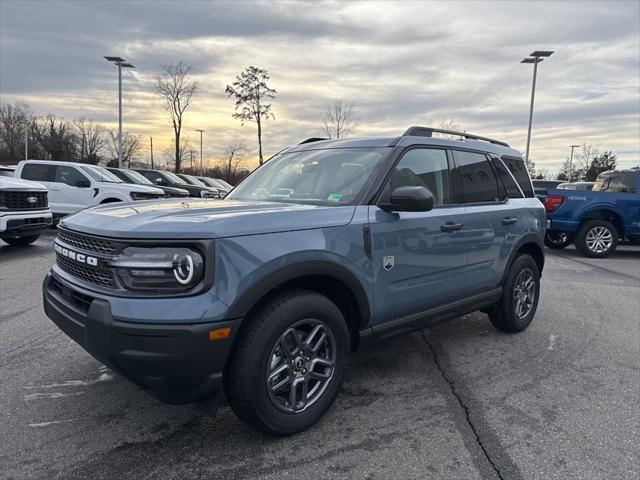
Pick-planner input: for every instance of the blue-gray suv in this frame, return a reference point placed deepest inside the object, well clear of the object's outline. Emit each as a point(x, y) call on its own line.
point(328, 246)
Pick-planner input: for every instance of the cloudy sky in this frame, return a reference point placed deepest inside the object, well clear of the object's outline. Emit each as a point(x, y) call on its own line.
point(400, 63)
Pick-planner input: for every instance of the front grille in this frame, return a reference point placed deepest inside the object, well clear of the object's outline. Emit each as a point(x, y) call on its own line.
point(83, 242)
point(100, 278)
point(23, 200)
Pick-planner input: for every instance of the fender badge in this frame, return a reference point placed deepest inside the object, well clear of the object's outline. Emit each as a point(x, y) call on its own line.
point(387, 262)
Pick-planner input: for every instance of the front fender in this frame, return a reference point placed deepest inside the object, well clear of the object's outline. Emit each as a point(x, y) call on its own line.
point(248, 267)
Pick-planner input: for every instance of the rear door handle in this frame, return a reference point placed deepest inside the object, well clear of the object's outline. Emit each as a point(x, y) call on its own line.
point(509, 220)
point(450, 227)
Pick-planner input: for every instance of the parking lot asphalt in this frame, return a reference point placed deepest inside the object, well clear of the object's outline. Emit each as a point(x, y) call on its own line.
point(459, 400)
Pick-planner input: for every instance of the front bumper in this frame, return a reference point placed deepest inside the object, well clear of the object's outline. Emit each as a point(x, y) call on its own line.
point(26, 223)
point(175, 363)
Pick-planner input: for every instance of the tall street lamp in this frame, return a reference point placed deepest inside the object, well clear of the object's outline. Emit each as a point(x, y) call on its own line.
point(571, 162)
point(201, 132)
point(121, 63)
point(535, 58)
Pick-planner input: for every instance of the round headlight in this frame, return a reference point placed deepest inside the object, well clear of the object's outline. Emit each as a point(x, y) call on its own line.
point(159, 269)
point(183, 268)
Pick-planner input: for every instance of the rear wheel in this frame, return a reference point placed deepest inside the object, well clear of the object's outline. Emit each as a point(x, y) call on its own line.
point(597, 239)
point(288, 365)
point(21, 241)
point(557, 240)
point(521, 290)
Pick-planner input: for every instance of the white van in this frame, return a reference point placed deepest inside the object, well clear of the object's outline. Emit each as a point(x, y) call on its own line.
point(74, 186)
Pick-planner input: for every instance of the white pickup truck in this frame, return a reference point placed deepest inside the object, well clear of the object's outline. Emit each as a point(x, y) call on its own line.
point(74, 186)
point(24, 211)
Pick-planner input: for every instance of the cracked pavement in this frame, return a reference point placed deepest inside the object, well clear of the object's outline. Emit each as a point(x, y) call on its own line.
point(458, 400)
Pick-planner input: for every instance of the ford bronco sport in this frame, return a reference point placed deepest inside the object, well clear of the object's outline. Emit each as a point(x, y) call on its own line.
point(326, 247)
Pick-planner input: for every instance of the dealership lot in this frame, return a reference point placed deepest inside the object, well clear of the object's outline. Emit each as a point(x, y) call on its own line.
point(458, 400)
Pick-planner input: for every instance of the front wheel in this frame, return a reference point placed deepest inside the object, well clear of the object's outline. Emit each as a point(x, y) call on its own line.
point(22, 241)
point(557, 240)
point(521, 290)
point(597, 239)
point(289, 363)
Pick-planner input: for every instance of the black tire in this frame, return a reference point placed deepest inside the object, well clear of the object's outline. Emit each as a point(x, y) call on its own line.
point(21, 241)
point(503, 315)
point(591, 230)
point(557, 240)
point(247, 375)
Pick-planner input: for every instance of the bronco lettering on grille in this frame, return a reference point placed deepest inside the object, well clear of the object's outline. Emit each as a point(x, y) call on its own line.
point(78, 257)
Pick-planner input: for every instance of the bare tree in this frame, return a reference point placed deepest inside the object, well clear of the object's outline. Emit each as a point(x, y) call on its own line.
point(339, 119)
point(582, 160)
point(250, 90)
point(92, 140)
point(446, 124)
point(131, 148)
point(234, 156)
point(177, 89)
point(13, 120)
point(185, 151)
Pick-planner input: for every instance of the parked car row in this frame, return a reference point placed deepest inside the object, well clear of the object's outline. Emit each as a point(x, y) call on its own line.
point(35, 193)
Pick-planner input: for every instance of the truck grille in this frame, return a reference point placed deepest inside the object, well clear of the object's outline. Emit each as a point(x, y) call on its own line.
point(100, 278)
point(23, 200)
point(84, 242)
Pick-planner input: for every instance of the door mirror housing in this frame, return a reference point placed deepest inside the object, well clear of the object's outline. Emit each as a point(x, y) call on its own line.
point(83, 183)
point(158, 181)
point(409, 199)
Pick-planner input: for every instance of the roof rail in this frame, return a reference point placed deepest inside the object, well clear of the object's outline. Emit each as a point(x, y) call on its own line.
point(313, 139)
point(428, 132)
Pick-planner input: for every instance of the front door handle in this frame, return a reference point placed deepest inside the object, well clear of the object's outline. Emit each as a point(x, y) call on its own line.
point(450, 227)
point(509, 220)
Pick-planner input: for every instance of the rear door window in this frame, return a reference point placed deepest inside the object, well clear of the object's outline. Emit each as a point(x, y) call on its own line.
point(623, 182)
point(38, 172)
point(479, 183)
point(519, 170)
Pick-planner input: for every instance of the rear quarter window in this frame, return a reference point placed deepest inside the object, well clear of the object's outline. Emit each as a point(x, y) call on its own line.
point(519, 171)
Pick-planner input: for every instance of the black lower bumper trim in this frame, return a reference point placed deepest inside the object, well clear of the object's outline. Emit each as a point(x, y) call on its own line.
point(175, 363)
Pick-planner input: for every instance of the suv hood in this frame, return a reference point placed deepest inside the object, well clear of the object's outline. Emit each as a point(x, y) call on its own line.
point(200, 218)
point(19, 184)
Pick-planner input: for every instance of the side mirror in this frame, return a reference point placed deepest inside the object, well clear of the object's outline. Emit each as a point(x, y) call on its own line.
point(158, 181)
point(83, 183)
point(409, 199)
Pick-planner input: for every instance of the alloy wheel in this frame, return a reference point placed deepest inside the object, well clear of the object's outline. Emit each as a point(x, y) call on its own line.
point(301, 365)
point(524, 293)
point(599, 239)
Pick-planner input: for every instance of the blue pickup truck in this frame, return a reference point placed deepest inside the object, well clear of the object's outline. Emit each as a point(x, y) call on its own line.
point(596, 221)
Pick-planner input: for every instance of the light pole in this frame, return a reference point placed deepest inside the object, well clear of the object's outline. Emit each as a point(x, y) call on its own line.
point(151, 138)
point(120, 62)
point(535, 58)
point(201, 132)
point(26, 141)
point(571, 162)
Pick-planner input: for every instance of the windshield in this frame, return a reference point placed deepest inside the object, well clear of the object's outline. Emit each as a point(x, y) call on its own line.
point(326, 177)
point(100, 174)
point(210, 182)
point(173, 177)
point(192, 180)
point(226, 185)
point(138, 178)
